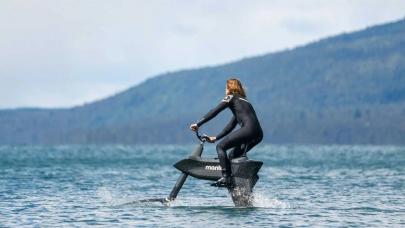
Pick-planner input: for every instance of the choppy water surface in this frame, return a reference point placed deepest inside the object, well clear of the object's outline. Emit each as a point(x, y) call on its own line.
point(298, 186)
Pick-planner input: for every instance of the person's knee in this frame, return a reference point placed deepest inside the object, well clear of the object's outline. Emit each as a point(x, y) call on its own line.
point(220, 147)
point(258, 139)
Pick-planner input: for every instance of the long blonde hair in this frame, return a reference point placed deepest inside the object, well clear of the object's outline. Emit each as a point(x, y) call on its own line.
point(234, 86)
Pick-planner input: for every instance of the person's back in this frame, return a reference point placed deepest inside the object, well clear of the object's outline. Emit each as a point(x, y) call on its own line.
point(244, 112)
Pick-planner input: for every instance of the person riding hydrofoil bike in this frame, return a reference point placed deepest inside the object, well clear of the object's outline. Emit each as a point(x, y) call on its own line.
point(242, 140)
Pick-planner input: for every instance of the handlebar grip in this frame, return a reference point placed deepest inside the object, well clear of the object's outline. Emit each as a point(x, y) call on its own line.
point(203, 138)
point(206, 137)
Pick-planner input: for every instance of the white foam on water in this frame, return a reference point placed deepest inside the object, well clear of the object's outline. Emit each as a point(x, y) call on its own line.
point(106, 196)
point(112, 199)
point(261, 200)
point(198, 201)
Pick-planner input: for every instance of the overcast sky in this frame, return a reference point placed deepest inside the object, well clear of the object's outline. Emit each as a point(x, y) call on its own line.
point(59, 53)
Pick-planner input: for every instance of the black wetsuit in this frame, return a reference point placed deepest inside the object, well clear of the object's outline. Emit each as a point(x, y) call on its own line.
point(243, 139)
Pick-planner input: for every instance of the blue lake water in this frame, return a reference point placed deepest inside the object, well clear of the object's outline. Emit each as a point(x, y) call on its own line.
point(310, 186)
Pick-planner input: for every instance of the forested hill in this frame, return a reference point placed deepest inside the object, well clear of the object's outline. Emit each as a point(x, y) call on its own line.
point(346, 89)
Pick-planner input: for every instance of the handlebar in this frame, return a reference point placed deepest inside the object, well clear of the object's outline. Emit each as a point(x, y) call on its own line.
point(203, 138)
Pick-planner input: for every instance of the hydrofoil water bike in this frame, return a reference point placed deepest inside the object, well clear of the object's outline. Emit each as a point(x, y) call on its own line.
point(244, 174)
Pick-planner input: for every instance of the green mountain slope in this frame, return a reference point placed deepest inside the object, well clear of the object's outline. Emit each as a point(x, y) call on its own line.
point(344, 89)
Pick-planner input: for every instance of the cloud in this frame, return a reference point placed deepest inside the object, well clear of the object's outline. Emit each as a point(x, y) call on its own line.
point(63, 53)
